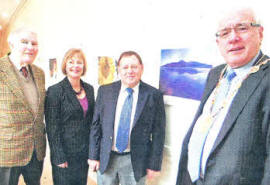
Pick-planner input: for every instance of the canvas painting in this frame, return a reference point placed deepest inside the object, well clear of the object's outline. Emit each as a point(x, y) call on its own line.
point(53, 67)
point(106, 70)
point(180, 75)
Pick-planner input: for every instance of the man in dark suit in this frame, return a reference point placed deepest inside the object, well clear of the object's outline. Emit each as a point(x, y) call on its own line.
point(128, 129)
point(228, 142)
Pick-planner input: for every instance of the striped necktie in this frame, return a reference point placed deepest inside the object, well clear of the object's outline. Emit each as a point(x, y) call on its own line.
point(24, 71)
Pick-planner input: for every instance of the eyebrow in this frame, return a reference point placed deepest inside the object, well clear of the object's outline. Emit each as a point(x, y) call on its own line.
point(32, 41)
point(237, 24)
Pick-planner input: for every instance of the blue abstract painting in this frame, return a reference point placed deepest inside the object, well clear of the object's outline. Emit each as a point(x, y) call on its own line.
point(181, 77)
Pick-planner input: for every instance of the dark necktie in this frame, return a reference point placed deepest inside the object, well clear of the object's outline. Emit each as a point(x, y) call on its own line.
point(124, 123)
point(24, 71)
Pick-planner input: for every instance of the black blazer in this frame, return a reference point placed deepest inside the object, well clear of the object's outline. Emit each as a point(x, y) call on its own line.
point(147, 134)
point(67, 128)
point(241, 153)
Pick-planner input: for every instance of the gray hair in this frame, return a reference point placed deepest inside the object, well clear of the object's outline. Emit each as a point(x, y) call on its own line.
point(13, 35)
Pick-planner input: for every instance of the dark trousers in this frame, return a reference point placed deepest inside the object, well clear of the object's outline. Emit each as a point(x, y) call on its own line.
point(75, 174)
point(31, 173)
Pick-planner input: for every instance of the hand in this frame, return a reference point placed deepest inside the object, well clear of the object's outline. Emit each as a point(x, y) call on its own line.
point(151, 174)
point(93, 165)
point(63, 165)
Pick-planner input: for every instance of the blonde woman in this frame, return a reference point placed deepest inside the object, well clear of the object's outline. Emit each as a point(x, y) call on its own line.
point(68, 112)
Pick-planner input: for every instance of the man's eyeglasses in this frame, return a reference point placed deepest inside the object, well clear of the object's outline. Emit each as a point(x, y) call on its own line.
point(238, 28)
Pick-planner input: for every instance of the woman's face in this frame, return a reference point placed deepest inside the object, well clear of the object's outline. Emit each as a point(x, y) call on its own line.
point(74, 67)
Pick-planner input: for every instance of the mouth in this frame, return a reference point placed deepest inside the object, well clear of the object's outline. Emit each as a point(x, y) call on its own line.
point(131, 77)
point(236, 49)
point(29, 54)
point(75, 71)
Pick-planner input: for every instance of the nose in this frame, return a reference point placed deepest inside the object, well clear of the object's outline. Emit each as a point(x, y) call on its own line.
point(130, 70)
point(234, 36)
point(77, 63)
point(30, 45)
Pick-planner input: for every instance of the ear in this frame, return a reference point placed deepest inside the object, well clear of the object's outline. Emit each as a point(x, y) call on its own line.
point(217, 40)
point(116, 69)
point(11, 45)
point(261, 32)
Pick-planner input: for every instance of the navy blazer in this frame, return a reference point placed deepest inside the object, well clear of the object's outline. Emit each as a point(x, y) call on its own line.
point(147, 134)
point(67, 128)
point(241, 152)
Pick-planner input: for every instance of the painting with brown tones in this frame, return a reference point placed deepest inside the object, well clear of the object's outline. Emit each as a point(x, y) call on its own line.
point(106, 70)
point(53, 67)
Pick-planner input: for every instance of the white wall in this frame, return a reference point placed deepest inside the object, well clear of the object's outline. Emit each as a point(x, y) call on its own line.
point(104, 27)
point(109, 27)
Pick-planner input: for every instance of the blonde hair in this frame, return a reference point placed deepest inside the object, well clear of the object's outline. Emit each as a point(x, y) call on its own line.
point(69, 54)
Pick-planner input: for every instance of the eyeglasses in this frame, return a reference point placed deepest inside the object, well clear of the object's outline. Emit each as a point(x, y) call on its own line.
point(238, 28)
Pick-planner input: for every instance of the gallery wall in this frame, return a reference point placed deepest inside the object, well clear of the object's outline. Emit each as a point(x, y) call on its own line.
point(107, 28)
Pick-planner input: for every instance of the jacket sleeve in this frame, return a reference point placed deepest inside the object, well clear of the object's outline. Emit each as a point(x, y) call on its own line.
point(53, 101)
point(95, 131)
point(266, 134)
point(266, 175)
point(158, 135)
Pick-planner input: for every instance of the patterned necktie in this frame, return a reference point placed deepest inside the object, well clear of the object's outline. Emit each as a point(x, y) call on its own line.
point(124, 123)
point(198, 137)
point(24, 71)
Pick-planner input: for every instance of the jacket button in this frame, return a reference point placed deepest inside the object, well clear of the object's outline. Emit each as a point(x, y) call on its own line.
point(111, 137)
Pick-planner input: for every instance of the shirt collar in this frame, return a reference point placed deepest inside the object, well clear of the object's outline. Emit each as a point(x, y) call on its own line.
point(244, 69)
point(18, 65)
point(135, 88)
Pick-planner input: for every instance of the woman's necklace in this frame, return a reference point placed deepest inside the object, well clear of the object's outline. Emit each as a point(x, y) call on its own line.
point(79, 92)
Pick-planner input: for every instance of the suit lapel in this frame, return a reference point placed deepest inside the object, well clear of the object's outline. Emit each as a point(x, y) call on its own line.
point(210, 85)
point(38, 83)
point(209, 88)
point(88, 96)
point(8, 75)
point(142, 97)
point(71, 95)
point(112, 102)
point(247, 89)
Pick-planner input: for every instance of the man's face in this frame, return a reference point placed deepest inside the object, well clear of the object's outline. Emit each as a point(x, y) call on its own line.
point(25, 47)
point(130, 71)
point(239, 46)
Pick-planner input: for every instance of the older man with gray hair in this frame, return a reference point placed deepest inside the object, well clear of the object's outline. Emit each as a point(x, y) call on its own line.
point(22, 94)
point(229, 140)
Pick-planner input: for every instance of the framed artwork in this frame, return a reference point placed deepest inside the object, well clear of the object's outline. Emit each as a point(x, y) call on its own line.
point(106, 70)
point(181, 76)
point(53, 67)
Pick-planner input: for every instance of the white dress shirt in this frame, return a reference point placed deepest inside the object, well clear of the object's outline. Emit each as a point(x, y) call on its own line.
point(120, 102)
point(218, 122)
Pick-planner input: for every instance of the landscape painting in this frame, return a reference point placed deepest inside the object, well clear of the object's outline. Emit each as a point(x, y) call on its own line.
point(181, 75)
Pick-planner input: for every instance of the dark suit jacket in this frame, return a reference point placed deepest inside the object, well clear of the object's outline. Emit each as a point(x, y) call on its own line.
point(67, 128)
point(240, 155)
point(147, 134)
